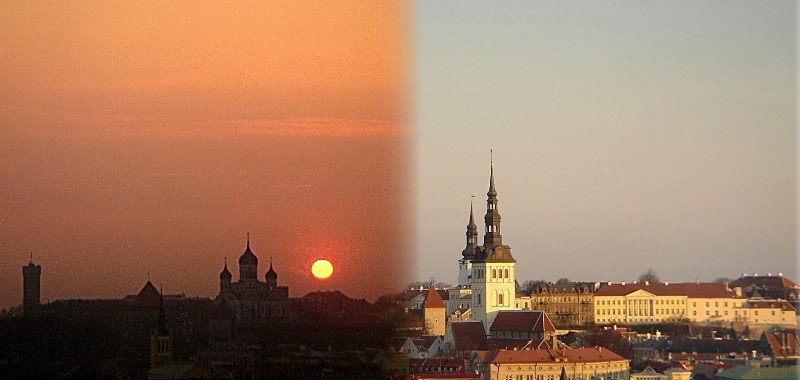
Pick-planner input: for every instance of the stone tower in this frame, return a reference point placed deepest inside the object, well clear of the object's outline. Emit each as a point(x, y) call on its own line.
point(493, 277)
point(31, 299)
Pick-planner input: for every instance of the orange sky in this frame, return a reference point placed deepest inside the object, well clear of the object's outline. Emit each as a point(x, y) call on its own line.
point(149, 138)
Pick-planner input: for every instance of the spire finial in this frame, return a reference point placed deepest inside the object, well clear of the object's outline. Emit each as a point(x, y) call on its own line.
point(491, 170)
point(226, 261)
point(270, 262)
point(148, 276)
point(248, 240)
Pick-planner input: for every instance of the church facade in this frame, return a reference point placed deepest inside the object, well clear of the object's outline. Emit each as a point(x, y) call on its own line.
point(251, 299)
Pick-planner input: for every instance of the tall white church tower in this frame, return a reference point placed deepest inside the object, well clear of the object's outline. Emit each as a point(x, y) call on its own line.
point(493, 285)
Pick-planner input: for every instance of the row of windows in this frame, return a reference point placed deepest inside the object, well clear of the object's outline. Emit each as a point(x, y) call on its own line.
point(657, 302)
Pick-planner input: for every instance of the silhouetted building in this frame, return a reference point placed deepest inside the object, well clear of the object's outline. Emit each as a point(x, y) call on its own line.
point(31, 301)
point(251, 304)
point(160, 338)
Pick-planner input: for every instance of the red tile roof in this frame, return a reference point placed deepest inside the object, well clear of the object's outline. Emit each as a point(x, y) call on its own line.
point(784, 344)
point(769, 282)
point(523, 321)
point(689, 289)
point(579, 355)
point(433, 300)
point(468, 335)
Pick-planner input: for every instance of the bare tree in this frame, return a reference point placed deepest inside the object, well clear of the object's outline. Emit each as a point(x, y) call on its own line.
point(563, 281)
point(650, 276)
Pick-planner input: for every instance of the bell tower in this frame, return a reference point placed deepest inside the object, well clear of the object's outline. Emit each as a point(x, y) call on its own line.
point(493, 277)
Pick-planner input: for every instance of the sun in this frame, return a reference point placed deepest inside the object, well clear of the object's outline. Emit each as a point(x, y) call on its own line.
point(322, 269)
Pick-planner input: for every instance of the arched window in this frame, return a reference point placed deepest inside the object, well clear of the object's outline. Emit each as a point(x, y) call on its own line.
point(494, 273)
point(500, 299)
point(506, 273)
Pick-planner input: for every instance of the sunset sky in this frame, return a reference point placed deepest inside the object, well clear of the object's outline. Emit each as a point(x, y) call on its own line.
point(626, 135)
point(152, 137)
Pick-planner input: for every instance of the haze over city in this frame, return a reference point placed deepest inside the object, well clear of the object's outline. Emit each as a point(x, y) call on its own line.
point(146, 140)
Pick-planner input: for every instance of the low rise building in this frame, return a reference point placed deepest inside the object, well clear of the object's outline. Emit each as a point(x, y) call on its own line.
point(576, 363)
point(568, 305)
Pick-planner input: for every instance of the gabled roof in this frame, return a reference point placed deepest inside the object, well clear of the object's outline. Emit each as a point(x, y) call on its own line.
point(426, 341)
point(468, 335)
point(522, 321)
point(433, 300)
point(149, 296)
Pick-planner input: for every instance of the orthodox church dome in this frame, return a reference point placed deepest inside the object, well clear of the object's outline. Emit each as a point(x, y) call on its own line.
point(248, 258)
point(225, 274)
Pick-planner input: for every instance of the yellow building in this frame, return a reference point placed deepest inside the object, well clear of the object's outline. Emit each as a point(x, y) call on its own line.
point(639, 303)
point(644, 302)
point(548, 364)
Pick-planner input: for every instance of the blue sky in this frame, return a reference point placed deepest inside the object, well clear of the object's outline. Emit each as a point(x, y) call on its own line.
point(627, 135)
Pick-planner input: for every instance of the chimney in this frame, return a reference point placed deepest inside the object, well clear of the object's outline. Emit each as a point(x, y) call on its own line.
point(666, 282)
point(780, 274)
point(755, 274)
point(647, 283)
point(769, 274)
point(623, 283)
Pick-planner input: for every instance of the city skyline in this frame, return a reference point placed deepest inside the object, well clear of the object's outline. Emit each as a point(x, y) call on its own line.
point(150, 138)
point(626, 136)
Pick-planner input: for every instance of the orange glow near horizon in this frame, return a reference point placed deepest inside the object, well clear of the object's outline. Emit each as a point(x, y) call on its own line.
point(149, 137)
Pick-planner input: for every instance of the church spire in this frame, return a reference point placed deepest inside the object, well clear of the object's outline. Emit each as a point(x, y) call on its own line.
point(492, 235)
point(472, 235)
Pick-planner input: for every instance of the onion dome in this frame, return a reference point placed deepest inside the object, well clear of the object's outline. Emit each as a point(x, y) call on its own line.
point(225, 274)
point(271, 274)
point(248, 258)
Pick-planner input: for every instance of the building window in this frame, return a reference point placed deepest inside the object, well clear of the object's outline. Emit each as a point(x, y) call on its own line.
point(500, 299)
point(505, 273)
point(494, 273)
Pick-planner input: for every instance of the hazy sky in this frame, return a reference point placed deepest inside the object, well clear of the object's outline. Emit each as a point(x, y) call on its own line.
point(626, 135)
point(151, 137)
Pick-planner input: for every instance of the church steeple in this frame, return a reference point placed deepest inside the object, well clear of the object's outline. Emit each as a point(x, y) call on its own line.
point(472, 235)
point(492, 235)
